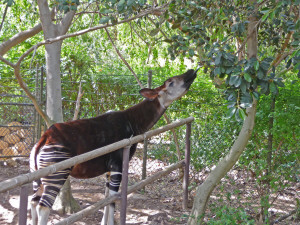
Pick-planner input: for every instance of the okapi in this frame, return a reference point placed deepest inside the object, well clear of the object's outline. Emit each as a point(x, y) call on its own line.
point(65, 140)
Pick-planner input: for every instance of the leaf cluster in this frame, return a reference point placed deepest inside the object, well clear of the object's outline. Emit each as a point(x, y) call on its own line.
point(67, 5)
point(210, 31)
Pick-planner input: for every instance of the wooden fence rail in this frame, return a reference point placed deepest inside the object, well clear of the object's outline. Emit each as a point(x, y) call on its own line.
point(26, 178)
point(29, 177)
point(95, 207)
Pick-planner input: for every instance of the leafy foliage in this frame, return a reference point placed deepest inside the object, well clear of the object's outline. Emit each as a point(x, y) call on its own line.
point(210, 31)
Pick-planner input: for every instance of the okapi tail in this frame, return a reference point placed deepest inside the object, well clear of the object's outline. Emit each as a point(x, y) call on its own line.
point(35, 150)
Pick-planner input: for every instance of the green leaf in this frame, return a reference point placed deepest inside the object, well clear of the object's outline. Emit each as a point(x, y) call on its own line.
point(154, 32)
point(273, 88)
point(237, 115)
point(255, 95)
point(279, 82)
point(130, 2)
point(121, 5)
point(217, 71)
point(191, 52)
point(233, 80)
point(247, 77)
point(238, 82)
point(260, 74)
point(256, 65)
point(105, 11)
point(218, 59)
point(104, 19)
point(265, 17)
point(243, 86)
point(242, 114)
point(230, 112)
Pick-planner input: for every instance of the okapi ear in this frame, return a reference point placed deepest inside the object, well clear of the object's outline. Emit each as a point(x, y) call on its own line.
point(148, 93)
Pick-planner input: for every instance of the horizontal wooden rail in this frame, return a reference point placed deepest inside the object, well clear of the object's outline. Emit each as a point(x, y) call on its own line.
point(95, 207)
point(26, 178)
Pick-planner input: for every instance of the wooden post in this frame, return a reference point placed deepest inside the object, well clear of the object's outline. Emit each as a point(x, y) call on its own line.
point(185, 183)
point(23, 204)
point(124, 185)
point(144, 172)
point(144, 169)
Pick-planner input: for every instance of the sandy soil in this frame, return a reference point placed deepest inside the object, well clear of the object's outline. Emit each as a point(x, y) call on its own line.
point(161, 201)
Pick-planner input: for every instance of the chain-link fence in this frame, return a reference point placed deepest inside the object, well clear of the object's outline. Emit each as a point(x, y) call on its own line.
point(21, 125)
point(19, 120)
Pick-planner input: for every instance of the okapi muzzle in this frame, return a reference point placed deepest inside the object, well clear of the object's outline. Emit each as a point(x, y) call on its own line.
point(65, 140)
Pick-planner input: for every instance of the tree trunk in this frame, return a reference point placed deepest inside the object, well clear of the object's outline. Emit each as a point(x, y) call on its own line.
point(54, 98)
point(266, 183)
point(224, 165)
point(205, 189)
point(65, 202)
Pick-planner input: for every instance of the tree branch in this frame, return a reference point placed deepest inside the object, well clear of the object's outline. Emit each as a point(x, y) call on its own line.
point(31, 96)
point(278, 58)
point(4, 15)
point(77, 107)
point(123, 59)
point(18, 38)
point(66, 21)
point(7, 62)
point(45, 13)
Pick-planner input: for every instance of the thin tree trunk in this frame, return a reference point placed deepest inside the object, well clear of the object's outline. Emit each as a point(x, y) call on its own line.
point(54, 98)
point(224, 165)
point(265, 198)
point(205, 189)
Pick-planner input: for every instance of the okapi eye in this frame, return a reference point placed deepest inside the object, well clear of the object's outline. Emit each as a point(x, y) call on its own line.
point(171, 84)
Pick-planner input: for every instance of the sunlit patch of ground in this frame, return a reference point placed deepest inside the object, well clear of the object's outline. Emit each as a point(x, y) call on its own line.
point(160, 202)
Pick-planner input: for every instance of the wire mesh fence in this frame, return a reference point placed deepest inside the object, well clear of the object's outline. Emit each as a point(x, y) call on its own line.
point(18, 119)
point(23, 126)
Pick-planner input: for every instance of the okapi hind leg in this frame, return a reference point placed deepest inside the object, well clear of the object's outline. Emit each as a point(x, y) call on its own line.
point(51, 184)
point(37, 189)
point(43, 214)
point(34, 215)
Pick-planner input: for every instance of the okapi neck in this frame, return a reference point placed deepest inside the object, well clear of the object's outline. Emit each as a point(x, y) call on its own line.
point(144, 115)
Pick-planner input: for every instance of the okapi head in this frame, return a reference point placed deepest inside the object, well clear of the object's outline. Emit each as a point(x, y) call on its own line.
point(172, 89)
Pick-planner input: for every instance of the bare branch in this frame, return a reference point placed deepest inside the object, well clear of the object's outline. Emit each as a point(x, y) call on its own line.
point(4, 15)
point(123, 59)
point(31, 96)
point(7, 62)
point(77, 107)
point(45, 13)
point(18, 38)
point(66, 22)
point(160, 30)
point(142, 14)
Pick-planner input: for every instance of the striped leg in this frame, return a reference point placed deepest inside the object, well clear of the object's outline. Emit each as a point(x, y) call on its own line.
point(112, 187)
point(47, 188)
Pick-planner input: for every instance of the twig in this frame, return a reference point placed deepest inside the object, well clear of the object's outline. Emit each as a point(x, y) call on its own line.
point(123, 59)
point(31, 96)
point(7, 62)
point(284, 217)
point(77, 107)
point(4, 15)
point(160, 30)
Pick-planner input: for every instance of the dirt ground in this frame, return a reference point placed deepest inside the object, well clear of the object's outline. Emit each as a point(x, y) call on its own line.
point(160, 203)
